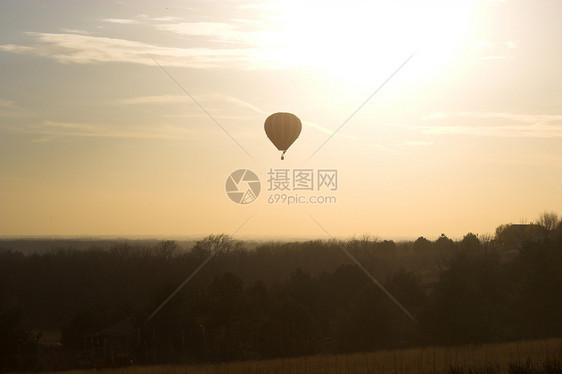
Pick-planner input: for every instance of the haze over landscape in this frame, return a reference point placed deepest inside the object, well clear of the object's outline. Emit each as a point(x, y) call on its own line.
point(97, 139)
point(281, 186)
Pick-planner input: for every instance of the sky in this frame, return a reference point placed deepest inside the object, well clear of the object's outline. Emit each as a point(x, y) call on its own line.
point(126, 119)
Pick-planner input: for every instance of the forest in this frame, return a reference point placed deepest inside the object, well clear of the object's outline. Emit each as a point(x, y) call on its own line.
point(280, 299)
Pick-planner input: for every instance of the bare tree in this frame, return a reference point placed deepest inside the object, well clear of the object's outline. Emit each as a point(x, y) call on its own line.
point(548, 220)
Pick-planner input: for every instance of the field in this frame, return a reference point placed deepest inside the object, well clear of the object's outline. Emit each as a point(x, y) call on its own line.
point(541, 356)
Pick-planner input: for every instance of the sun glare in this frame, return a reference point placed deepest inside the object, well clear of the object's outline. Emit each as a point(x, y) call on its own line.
point(351, 39)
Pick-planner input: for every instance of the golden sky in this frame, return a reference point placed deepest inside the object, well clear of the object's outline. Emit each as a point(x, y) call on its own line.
point(126, 118)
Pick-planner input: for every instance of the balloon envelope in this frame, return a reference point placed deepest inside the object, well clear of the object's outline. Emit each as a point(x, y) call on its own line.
point(282, 129)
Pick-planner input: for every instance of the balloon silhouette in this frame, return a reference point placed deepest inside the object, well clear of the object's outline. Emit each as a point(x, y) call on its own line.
point(282, 129)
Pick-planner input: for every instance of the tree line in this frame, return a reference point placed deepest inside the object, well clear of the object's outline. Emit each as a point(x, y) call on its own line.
point(287, 299)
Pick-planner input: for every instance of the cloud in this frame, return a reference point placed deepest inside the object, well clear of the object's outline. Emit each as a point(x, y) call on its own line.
point(50, 130)
point(398, 147)
point(318, 127)
point(16, 48)
point(384, 148)
point(326, 130)
point(434, 115)
point(519, 117)
point(493, 58)
point(214, 102)
point(6, 104)
point(417, 143)
point(225, 101)
point(9, 109)
point(69, 48)
point(162, 99)
point(241, 33)
point(69, 126)
point(244, 42)
point(497, 124)
point(483, 45)
point(499, 131)
point(74, 31)
point(167, 19)
point(222, 107)
point(121, 21)
point(217, 30)
point(489, 51)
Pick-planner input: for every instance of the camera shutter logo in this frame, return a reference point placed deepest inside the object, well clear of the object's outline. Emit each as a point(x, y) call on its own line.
point(243, 186)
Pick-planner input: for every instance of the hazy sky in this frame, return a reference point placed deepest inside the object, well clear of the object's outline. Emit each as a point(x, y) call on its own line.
point(97, 139)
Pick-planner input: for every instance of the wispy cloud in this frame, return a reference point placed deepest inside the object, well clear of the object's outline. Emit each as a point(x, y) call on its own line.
point(216, 30)
point(493, 58)
point(6, 104)
point(318, 127)
point(121, 21)
point(498, 124)
point(85, 49)
point(167, 19)
point(238, 33)
point(243, 42)
point(47, 131)
point(518, 117)
point(490, 51)
point(17, 48)
point(9, 109)
point(516, 131)
point(384, 148)
point(70, 126)
point(161, 99)
point(223, 106)
point(74, 31)
point(215, 102)
point(226, 101)
point(417, 143)
point(326, 130)
point(401, 146)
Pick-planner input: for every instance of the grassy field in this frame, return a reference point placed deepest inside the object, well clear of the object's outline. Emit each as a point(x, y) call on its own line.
point(542, 356)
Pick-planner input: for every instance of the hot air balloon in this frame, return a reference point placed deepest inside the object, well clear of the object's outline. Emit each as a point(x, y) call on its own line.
point(282, 129)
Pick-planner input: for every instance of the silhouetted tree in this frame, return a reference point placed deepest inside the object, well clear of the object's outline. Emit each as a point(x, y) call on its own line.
point(18, 345)
point(537, 279)
point(470, 242)
point(443, 243)
point(167, 249)
point(205, 247)
point(87, 322)
point(291, 329)
point(422, 244)
point(468, 303)
point(407, 287)
point(387, 246)
point(548, 221)
point(366, 323)
point(300, 293)
point(225, 310)
point(257, 310)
